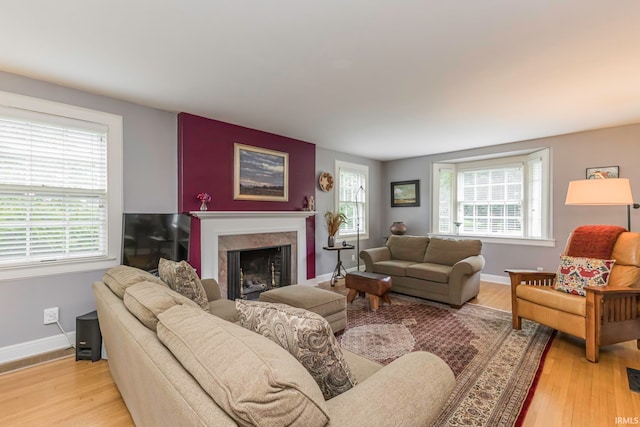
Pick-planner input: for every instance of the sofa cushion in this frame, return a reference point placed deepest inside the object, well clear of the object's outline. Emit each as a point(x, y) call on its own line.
point(253, 379)
point(224, 309)
point(304, 334)
point(547, 296)
point(574, 273)
point(119, 278)
point(146, 300)
point(407, 248)
point(450, 251)
point(392, 268)
point(182, 278)
point(428, 271)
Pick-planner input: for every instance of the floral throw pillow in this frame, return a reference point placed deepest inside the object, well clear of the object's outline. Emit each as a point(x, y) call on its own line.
point(305, 335)
point(182, 278)
point(574, 273)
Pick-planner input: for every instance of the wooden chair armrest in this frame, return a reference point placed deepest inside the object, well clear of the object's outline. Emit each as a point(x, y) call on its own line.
point(601, 290)
point(531, 277)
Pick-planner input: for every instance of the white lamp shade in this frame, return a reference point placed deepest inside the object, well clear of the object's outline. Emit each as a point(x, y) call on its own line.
point(609, 191)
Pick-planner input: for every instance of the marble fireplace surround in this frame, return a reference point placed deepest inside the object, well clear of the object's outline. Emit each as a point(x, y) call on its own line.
point(221, 231)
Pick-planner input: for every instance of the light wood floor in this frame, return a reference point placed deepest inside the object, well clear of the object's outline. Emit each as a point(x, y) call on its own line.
point(571, 390)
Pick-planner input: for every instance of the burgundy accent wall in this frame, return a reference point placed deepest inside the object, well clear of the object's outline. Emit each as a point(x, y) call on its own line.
point(205, 164)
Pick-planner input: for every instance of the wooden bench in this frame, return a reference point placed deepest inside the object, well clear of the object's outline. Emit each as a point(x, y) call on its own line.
point(376, 285)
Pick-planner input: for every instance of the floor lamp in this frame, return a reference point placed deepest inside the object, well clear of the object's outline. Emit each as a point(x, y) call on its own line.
point(602, 192)
point(358, 227)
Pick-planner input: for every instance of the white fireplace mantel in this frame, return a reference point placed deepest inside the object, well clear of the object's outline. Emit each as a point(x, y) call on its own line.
point(214, 224)
point(251, 214)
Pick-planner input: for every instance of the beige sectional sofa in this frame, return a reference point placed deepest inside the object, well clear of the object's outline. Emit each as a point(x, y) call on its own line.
point(445, 270)
point(159, 390)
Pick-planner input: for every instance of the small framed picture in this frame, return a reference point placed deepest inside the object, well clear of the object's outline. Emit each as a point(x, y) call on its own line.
point(405, 193)
point(603, 172)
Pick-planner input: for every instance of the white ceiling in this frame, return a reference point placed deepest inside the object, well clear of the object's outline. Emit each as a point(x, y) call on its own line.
point(382, 79)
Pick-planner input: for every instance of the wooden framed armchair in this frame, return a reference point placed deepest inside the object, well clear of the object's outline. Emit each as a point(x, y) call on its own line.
point(606, 315)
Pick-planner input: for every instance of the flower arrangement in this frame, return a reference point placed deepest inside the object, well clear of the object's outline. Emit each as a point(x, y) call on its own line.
point(204, 197)
point(334, 220)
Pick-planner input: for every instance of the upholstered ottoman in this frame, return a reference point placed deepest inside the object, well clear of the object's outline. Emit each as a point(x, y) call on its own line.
point(376, 285)
point(330, 305)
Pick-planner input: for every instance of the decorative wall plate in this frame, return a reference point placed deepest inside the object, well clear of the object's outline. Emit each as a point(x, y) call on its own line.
point(325, 181)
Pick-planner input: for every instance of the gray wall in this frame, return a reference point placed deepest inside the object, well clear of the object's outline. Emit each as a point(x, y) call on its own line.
point(325, 162)
point(150, 185)
point(150, 179)
point(570, 155)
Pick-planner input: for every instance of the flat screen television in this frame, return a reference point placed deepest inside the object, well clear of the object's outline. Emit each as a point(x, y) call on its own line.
point(147, 237)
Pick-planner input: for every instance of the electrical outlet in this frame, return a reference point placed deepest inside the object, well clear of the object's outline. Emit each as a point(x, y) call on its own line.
point(353, 257)
point(50, 315)
point(540, 269)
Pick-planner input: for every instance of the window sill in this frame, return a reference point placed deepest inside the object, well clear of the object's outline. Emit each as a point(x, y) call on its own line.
point(547, 243)
point(351, 238)
point(38, 270)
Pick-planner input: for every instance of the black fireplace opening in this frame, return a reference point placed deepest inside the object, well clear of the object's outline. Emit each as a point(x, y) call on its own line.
point(253, 271)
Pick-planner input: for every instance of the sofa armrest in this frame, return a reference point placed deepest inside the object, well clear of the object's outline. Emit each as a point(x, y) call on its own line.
point(373, 255)
point(421, 381)
point(212, 289)
point(464, 280)
point(469, 265)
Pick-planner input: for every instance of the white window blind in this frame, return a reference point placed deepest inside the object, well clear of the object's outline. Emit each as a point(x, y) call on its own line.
point(490, 201)
point(352, 198)
point(445, 191)
point(535, 193)
point(53, 188)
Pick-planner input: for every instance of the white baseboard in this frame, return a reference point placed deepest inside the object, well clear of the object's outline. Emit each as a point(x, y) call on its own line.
point(503, 280)
point(324, 277)
point(35, 347)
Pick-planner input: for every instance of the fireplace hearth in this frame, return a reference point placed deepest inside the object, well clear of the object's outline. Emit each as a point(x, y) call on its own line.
point(253, 271)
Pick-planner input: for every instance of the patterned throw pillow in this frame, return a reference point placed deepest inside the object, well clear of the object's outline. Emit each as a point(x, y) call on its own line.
point(182, 278)
point(574, 273)
point(304, 334)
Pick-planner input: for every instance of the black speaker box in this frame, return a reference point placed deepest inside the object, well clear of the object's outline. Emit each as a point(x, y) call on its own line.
point(88, 337)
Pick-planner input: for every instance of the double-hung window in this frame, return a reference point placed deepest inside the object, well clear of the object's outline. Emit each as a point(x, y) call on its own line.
point(351, 199)
point(60, 187)
point(502, 197)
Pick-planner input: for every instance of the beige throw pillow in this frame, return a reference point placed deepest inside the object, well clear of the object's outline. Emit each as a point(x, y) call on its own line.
point(182, 278)
point(255, 381)
point(119, 278)
point(304, 334)
point(146, 300)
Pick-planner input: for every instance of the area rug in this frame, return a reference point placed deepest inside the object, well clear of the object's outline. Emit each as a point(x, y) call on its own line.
point(495, 366)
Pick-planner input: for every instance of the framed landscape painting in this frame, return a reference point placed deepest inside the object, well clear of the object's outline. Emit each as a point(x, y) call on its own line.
point(405, 193)
point(260, 174)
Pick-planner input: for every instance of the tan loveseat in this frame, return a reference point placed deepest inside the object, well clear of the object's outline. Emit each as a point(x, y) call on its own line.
point(159, 390)
point(444, 270)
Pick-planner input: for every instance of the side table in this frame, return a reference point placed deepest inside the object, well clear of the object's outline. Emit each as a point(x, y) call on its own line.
point(337, 273)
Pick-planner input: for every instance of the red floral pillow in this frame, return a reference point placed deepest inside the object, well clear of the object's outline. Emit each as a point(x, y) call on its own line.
point(574, 273)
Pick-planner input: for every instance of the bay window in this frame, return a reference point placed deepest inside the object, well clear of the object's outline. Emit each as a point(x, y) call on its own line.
point(501, 197)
